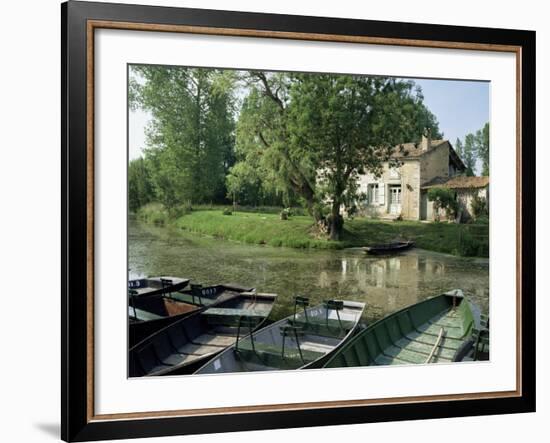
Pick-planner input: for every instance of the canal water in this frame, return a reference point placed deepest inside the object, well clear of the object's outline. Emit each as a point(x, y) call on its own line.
point(385, 284)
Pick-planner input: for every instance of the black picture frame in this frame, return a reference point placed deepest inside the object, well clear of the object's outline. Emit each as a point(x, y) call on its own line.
point(77, 177)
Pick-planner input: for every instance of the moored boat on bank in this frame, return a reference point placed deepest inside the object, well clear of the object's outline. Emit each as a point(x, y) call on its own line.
point(388, 248)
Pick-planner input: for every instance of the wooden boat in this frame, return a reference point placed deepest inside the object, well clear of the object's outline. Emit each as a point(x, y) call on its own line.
point(295, 342)
point(186, 344)
point(156, 285)
point(389, 248)
point(436, 330)
point(150, 314)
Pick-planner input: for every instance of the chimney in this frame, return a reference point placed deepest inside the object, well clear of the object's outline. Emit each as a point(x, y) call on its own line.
point(426, 139)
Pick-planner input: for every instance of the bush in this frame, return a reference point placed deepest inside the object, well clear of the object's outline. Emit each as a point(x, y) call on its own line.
point(482, 220)
point(227, 211)
point(154, 213)
point(480, 209)
point(444, 198)
point(473, 242)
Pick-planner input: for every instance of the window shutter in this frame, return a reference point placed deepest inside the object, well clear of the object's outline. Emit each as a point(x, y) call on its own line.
point(381, 193)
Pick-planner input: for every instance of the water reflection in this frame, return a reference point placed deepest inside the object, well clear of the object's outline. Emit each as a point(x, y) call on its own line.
point(384, 283)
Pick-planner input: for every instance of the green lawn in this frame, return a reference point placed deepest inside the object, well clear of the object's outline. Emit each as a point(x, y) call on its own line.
point(298, 232)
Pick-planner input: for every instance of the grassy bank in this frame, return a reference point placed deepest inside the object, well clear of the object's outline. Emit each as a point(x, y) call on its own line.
point(297, 232)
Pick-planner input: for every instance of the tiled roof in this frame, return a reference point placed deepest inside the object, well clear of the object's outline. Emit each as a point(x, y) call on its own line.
point(458, 182)
point(405, 150)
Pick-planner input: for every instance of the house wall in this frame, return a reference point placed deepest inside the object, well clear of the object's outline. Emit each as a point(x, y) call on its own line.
point(413, 173)
point(435, 163)
point(466, 196)
point(410, 190)
point(386, 179)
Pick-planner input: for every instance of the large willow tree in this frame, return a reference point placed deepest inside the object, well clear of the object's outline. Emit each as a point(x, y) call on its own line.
point(312, 135)
point(190, 138)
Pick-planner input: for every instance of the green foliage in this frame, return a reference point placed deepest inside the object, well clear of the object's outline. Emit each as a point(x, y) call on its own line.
point(299, 232)
point(285, 214)
point(140, 190)
point(473, 241)
point(445, 199)
point(310, 136)
point(190, 139)
point(153, 213)
point(482, 220)
point(475, 147)
point(227, 211)
point(269, 169)
point(459, 148)
point(482, 148)
point(469, 156)
point(256, 228)
point(479, 207)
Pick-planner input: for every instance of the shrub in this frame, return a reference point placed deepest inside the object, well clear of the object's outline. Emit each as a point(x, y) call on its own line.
point(227, 211)
point(285, 214)
point(482, 220)
point(444, 198)
point(480, 208)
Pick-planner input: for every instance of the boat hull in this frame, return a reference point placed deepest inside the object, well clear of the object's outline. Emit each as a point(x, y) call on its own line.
point(184, 345)
point(390, 248)
point(156, 285)
point(436, 330)
point(314, 341)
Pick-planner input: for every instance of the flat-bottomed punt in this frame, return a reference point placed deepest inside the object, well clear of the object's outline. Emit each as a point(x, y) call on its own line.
point(388, 248)
point(436, 330)
point(156, 285)
point(185, 345)
point(150, 314)
point(295, 342)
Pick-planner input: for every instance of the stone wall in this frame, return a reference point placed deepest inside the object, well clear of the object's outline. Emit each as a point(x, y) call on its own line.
point(388, 177)
point(435, 163)
point(410, 190)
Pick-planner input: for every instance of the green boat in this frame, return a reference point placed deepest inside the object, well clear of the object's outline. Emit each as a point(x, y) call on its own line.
point(308, 336)
point(441, 329)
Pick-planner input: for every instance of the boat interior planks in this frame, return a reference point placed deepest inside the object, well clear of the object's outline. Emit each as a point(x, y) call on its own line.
point(436, 330)
point(199, 336)
point(154, 312)
point(295, 342)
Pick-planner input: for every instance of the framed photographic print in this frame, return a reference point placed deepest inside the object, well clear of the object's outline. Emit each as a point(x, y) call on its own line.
point(277, 221)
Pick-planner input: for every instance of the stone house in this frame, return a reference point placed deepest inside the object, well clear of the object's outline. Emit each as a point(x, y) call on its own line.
point(466, 189)
point(401, 191)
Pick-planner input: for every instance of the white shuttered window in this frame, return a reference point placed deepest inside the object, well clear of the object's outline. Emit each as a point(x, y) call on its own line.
point(381, 194)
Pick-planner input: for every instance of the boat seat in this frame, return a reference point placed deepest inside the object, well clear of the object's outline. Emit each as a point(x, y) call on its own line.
point(188, 298)
point(228, 316)
point(140, 314)
point(323, 328)
point(271, 355)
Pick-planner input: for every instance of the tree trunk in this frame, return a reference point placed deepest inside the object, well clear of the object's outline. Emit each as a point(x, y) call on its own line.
point(336, 221)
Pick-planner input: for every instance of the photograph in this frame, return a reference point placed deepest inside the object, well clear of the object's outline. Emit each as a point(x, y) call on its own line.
point(282, 220)
point(277, 221)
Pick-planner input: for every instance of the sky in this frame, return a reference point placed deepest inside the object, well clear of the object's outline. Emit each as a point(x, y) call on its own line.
point(461, 107)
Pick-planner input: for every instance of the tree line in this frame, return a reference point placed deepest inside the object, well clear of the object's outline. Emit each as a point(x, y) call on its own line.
point(474, 149)
point(268, 138)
